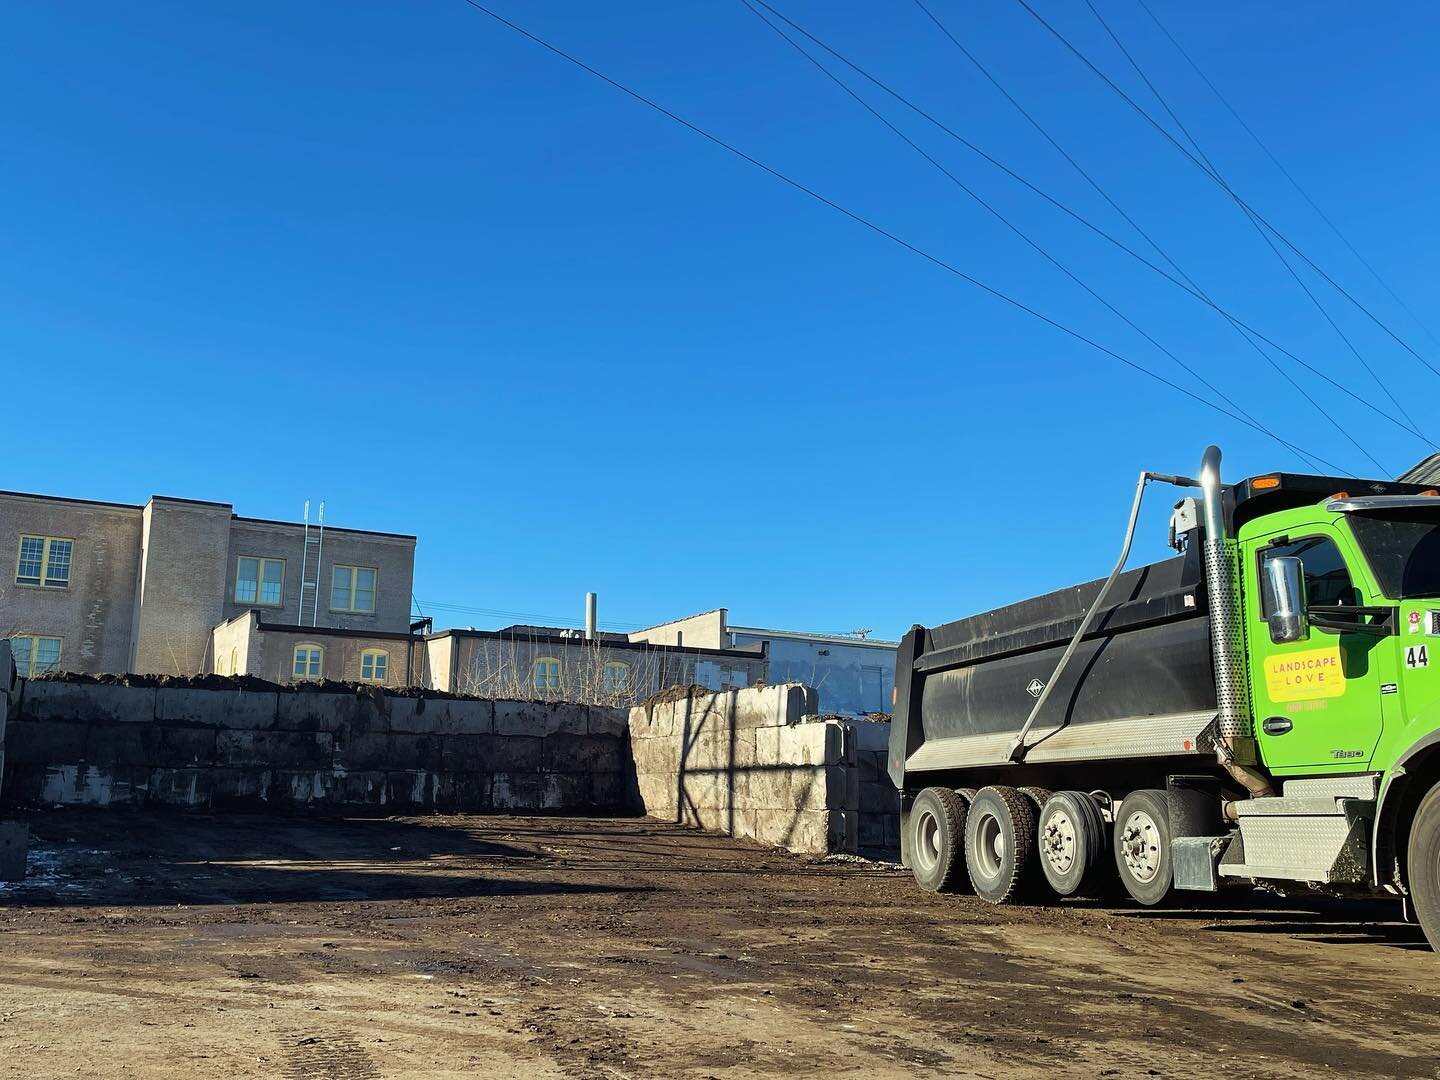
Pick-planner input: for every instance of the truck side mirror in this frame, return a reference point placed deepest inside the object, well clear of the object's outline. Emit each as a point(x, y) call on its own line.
point(1285, 581)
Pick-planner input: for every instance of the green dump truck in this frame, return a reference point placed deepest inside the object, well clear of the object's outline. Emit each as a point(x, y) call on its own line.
point(1264, 707)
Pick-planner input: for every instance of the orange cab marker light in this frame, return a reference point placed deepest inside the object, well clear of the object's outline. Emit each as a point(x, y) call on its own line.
point(1265, 483)
point(1341, 495)
point(1432, 491)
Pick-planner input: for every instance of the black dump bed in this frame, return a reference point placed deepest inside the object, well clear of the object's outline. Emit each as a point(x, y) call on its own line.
point(964, 689)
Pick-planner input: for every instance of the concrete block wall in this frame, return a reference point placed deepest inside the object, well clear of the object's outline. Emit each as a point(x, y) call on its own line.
point(76, 743)
point(9, 698)
point(757, 763)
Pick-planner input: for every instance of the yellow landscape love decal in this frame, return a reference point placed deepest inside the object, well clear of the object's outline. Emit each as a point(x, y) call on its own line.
point(1296, 676)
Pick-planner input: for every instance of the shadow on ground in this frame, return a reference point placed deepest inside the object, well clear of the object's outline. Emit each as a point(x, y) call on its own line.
point(83, 858)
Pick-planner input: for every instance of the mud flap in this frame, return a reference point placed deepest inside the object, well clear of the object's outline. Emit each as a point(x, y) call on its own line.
point(1195, 861)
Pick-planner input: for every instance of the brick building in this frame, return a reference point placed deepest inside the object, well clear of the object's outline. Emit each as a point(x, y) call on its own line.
point(162, 589)
point(182, 587)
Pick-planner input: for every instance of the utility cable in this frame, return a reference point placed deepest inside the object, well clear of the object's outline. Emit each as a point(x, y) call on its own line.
point(1189, 288)
point(1251, 216)
point(1221, 183)
point(852, 215)
point(1013, 227)
point(1190, 285)
point(1286, 172)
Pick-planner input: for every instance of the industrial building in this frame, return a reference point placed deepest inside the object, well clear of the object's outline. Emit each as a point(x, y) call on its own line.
point(853, 675)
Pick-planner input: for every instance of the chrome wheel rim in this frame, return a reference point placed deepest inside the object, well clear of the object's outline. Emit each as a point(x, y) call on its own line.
point(1140, 846)
point(1058, 841)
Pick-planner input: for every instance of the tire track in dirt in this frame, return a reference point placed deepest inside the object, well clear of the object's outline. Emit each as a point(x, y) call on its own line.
point(333, 1056)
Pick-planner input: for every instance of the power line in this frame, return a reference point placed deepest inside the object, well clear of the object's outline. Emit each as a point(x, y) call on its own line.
point(1251, 217)
point(1014, 228)
point(1193, 287)
point(1286, 172)
point(1245, 329)
point(852, 215)
point(1199, 165)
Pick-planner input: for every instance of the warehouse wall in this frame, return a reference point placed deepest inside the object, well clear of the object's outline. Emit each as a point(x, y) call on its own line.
point(757, 763)
point(80, 743)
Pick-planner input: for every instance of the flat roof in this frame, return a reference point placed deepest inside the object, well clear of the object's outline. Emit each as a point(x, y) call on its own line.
point(328, 528)
point(200, 502)
point(329, 631)
point(68, 499)
point(800, 635)
point(742, 653)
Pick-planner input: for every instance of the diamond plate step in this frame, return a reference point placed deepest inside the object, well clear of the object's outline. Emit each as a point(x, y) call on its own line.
point(1365, 786)
point(1316, 835)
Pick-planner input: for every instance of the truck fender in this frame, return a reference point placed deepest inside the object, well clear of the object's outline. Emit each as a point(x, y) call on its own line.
point(1384, 854)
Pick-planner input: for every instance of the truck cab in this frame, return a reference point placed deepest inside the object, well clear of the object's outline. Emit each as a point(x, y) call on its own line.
point(1351, 688)
point(1344, 693)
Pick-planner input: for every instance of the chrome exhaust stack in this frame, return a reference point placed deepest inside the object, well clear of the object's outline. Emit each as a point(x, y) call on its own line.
point(1234, 730)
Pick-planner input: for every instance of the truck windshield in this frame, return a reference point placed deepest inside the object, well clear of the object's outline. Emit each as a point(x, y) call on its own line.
point(1403, 550)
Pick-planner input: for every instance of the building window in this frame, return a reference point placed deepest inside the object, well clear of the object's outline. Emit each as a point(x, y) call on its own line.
point(309, 661)
point(374, 665)
point(259, 581)
point(352, 588)
point(617, 677)
point(546, 673)
point(35, 655)
point(44, 561)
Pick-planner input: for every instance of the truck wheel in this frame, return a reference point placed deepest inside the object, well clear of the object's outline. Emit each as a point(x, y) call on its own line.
point(999, 836)
point(1142, 846)
point(1423, 866)
point(1070, 836)
point(937, 821)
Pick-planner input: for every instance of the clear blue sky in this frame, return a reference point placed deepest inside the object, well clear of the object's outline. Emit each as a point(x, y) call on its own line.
point(393, 256)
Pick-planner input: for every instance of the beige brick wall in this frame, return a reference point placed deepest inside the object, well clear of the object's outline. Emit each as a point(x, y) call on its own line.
point(149, 584)
point(181, 585)
point(272, 655)
point(93, 616)
point(703, 631)
point(392, 557)
point(234, 645)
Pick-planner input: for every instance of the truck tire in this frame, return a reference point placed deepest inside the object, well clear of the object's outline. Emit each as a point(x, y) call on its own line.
point(999, 839)
point(1037, 795)
point(1422, 864)
point(937, 824)
point(1142, 846)
point(1070, 841)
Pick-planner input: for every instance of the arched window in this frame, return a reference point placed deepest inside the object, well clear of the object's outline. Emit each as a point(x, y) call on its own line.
point(374, 665)
point(309, 661)
point(617, 677)
point(545, 675)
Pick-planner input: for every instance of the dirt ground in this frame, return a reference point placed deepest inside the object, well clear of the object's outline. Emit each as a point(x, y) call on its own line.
point(186, 946)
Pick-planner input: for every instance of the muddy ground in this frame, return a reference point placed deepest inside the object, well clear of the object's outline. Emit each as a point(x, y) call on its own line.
point(188, 946)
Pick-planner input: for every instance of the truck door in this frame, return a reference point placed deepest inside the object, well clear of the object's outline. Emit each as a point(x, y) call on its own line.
point(1317, 701)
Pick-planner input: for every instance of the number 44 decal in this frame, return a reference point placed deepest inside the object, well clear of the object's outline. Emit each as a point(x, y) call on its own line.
point(1417, 656)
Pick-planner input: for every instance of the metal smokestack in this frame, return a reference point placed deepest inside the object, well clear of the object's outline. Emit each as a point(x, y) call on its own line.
point(590, 605)
point(1235, 746)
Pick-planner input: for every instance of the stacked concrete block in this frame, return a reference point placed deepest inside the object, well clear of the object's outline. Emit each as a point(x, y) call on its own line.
point(748, 763)
point(101, 744)
point(14, 835)
point(756, 763)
